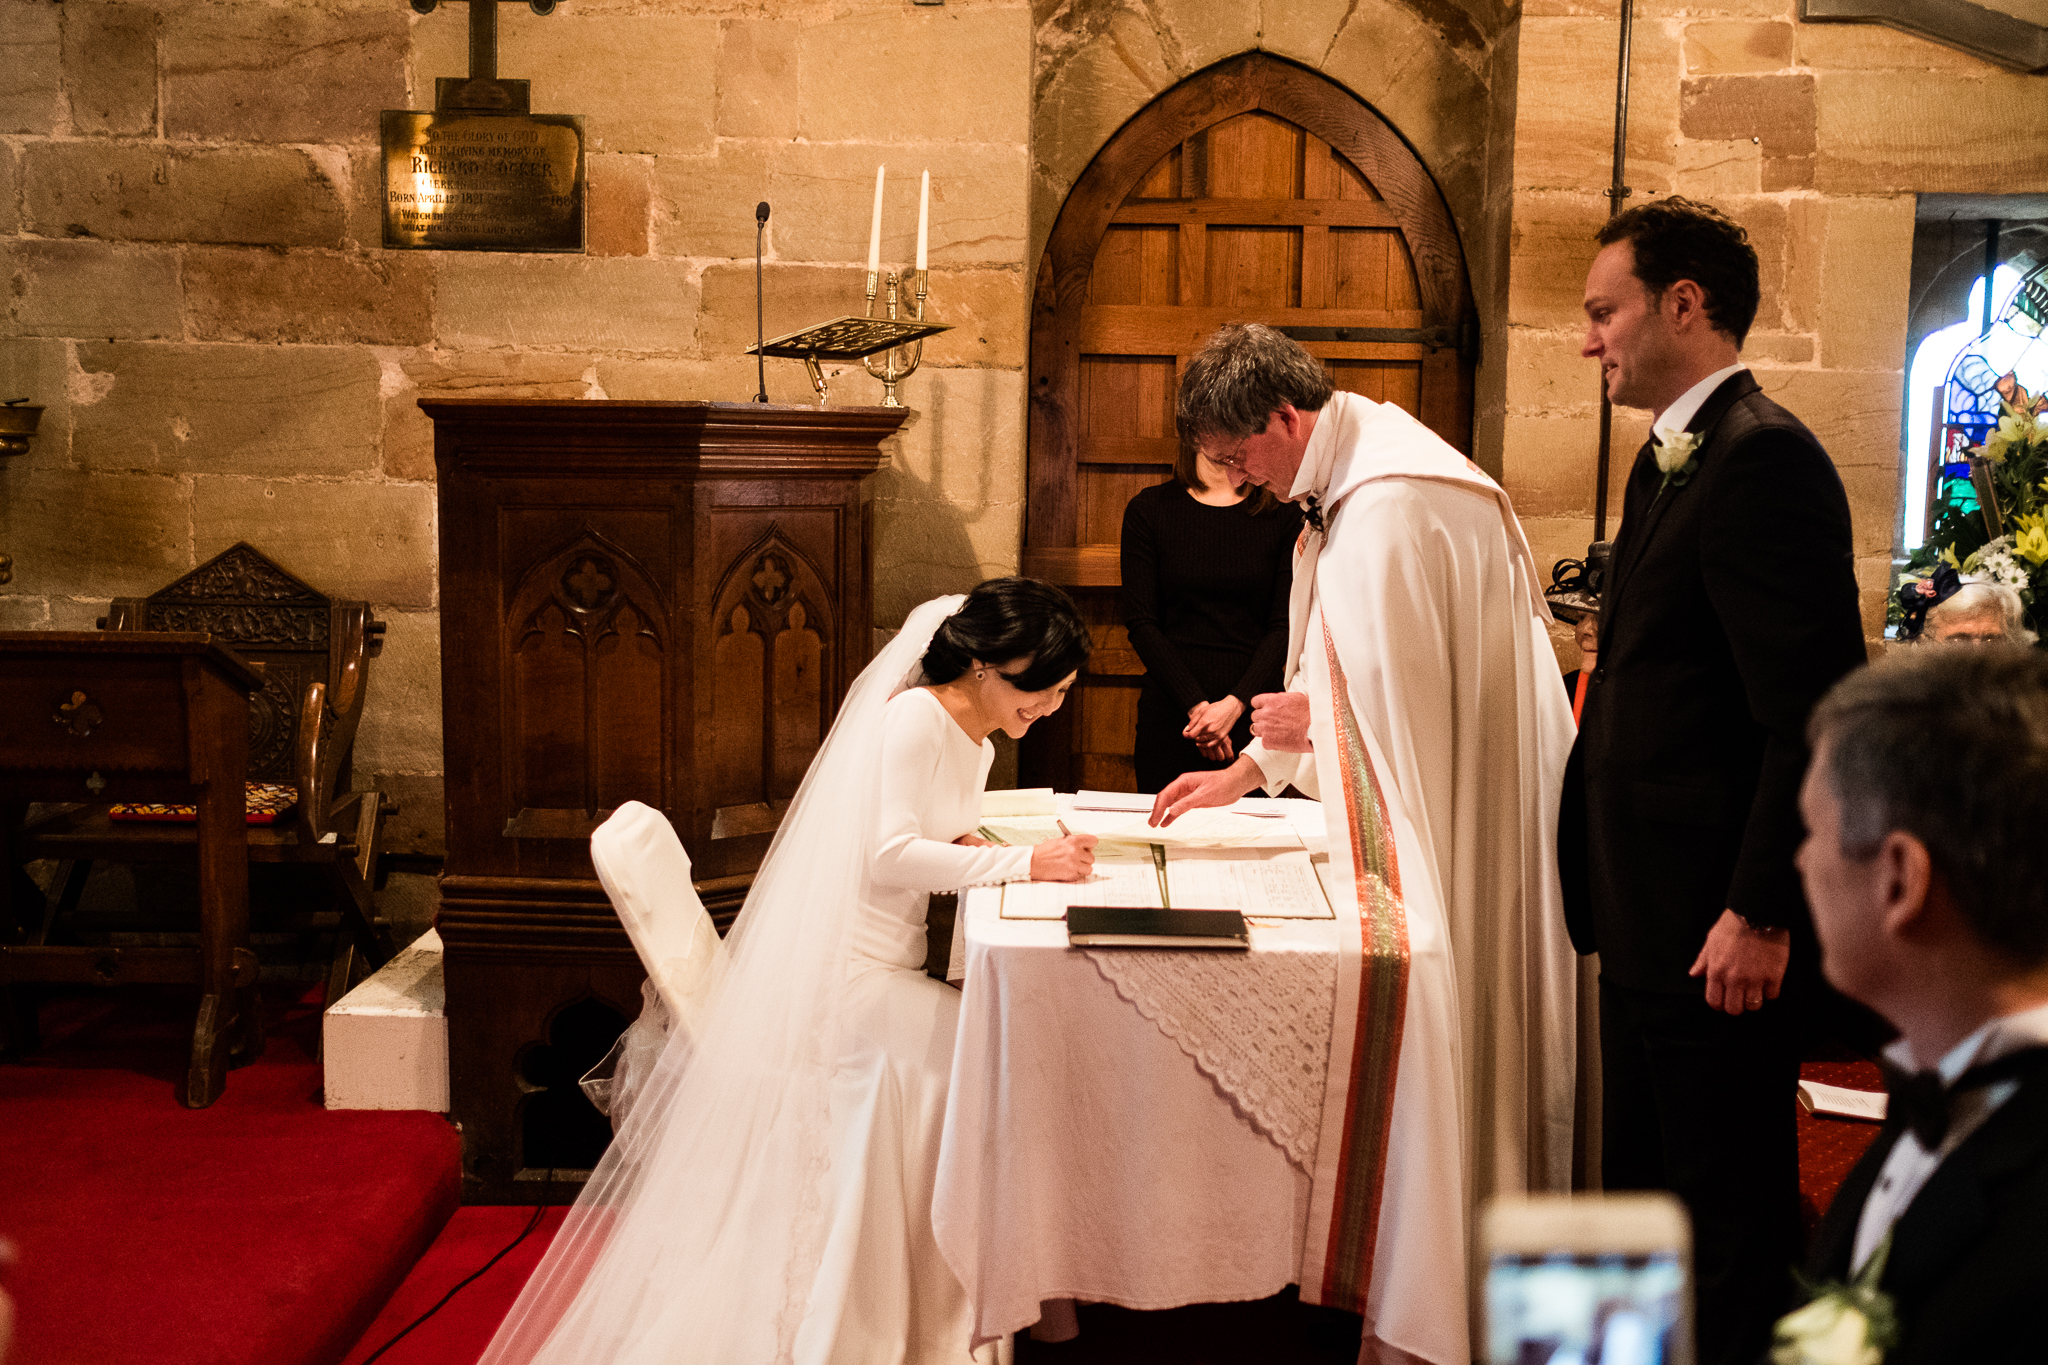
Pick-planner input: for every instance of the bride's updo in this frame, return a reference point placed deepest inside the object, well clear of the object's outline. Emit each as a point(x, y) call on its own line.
point(1011, 618)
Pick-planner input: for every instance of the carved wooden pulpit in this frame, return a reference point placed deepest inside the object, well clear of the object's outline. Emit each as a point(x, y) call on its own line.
point(661, 602)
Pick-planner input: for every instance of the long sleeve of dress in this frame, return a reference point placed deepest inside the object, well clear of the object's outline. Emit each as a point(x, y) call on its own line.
point(919, 759)
point(1140, 562)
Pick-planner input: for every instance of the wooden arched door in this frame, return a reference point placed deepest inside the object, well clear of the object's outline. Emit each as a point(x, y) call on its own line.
point(1254, 191)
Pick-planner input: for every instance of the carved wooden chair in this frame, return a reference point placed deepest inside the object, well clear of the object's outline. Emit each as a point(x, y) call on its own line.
point(315, 652)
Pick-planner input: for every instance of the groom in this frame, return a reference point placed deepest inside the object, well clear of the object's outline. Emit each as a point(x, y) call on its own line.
point(1730, 607)
point(1423, 707)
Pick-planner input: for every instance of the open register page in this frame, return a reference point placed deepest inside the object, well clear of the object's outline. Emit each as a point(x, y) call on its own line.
point(1262, 883)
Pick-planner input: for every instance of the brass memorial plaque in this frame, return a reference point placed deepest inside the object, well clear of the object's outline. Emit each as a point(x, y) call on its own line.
point(483, 180)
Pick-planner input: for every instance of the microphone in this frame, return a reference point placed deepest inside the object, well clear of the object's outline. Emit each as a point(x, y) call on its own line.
point(760, 343)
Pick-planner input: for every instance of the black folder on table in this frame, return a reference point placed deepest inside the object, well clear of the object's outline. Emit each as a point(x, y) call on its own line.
point(1133, 926)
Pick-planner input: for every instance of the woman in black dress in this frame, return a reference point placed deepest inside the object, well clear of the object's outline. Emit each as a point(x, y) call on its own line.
point(1207, 563)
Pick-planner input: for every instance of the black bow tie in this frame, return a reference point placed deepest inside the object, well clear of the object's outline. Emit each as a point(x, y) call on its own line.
point(1923, 1102)
point(1313, 510)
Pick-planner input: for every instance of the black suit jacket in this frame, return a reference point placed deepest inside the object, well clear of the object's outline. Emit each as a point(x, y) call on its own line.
point(1730, 607)
point(1968, 1269)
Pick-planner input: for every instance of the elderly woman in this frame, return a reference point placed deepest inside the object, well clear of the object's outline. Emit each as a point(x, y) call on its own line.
point(1976, 614)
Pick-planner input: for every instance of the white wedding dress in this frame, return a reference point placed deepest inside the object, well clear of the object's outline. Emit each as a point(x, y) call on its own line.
point(883, 1293)
point(768, 1197)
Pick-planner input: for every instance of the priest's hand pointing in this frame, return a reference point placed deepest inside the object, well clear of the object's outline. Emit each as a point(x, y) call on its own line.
point(1281, 720)
point(1218, 788)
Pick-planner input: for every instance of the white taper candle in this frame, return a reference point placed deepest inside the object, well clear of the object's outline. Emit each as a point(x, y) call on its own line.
point(875, 227)
point(924, 217)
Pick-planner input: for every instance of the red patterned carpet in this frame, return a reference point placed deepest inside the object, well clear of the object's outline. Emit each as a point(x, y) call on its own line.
point(1829, 1148)
point(264, 1230)
point(268, 1231)
point(1279, 1328)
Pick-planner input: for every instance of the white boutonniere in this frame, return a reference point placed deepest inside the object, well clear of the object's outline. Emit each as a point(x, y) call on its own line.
point(1845, 1324)
point(1676, 458)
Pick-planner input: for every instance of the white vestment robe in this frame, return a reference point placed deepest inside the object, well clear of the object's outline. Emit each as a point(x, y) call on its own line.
point(1439, 760)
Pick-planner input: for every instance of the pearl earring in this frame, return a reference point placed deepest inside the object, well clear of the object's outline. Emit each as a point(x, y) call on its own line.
point(979, 674)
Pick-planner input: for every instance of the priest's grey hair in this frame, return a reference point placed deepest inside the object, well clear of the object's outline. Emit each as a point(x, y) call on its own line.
point(1950, 746)
point(1239, 379)
point(1980, 599)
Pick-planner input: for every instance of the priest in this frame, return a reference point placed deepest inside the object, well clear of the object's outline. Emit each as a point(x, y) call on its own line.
point(1422, 708)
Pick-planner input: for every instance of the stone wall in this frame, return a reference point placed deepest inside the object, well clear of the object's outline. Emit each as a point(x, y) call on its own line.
point(1817, 138)
point(189, 230)
point(189, 223)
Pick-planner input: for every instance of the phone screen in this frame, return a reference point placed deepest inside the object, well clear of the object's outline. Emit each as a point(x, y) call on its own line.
point(1561, 1308)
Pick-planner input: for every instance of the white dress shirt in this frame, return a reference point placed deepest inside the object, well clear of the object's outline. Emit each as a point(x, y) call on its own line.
point(1909, 1167)
point(1674, 419)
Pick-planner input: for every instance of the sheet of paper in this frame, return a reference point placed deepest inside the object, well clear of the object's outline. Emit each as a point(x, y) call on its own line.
point(1022, 801)
point(1123, 801)
point(1116, 882)
point(1279, 885)
point(1020, 829)
point(1835, 1099)
point(1210, 828)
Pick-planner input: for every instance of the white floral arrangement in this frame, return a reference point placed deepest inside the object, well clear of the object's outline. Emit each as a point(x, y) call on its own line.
point(1999, 562)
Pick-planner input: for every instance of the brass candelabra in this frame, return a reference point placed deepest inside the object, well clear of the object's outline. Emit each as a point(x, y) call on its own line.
point(893, 371)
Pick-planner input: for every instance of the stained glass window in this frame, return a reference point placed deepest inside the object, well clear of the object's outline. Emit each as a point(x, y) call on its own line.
point(2011, 354)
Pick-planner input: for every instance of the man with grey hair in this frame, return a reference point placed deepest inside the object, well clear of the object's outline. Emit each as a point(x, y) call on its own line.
point(1422, 706)
point(1976, 614)
point(1927, 873)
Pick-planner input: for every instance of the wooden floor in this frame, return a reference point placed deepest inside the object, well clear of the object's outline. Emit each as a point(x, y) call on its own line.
point(1270, 1331)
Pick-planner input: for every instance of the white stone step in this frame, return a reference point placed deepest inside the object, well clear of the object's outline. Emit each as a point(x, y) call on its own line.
point(385, 1043)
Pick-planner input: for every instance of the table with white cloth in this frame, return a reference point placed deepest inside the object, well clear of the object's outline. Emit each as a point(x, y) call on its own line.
point(1133, 1126)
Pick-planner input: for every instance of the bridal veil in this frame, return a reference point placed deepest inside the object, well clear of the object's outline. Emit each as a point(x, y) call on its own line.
point(700, 1233)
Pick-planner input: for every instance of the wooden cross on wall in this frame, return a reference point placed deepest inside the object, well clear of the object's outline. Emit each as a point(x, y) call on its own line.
point(483, 89)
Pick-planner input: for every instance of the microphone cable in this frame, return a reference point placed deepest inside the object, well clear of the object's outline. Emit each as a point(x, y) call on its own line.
point(539, 1210)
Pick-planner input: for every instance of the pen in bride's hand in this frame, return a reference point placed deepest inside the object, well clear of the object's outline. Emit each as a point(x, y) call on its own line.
point(1064, 831)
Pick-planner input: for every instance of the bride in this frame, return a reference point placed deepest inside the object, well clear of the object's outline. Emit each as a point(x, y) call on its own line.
point(768, 1195)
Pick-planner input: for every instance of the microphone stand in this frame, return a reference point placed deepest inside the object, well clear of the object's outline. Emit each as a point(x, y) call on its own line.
point(760, 348)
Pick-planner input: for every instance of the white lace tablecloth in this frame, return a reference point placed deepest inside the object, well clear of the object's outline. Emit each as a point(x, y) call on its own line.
point(1257, 1024)
point(1130, 1128)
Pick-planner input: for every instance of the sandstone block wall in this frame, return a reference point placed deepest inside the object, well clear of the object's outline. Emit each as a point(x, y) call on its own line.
point(1816, 138)
point(189, 233)
point(196, 290)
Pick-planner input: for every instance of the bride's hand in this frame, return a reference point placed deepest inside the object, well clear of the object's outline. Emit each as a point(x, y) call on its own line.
point(1063, 860)
point(973, 841)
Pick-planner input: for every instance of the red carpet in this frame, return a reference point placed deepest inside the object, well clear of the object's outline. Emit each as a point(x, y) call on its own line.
point(1829, 1148)
point(458, 1333)
point(264, 1230)
point(268, 1231)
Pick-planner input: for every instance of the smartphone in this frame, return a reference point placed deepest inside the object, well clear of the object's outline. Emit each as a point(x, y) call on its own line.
point(1588, 1280)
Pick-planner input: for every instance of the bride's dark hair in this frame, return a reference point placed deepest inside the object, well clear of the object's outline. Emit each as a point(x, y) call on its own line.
point(1011, 618)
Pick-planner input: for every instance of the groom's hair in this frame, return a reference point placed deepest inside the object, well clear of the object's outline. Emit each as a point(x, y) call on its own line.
point(1950, 746)
point(1682, 239)
point(1239, 379)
